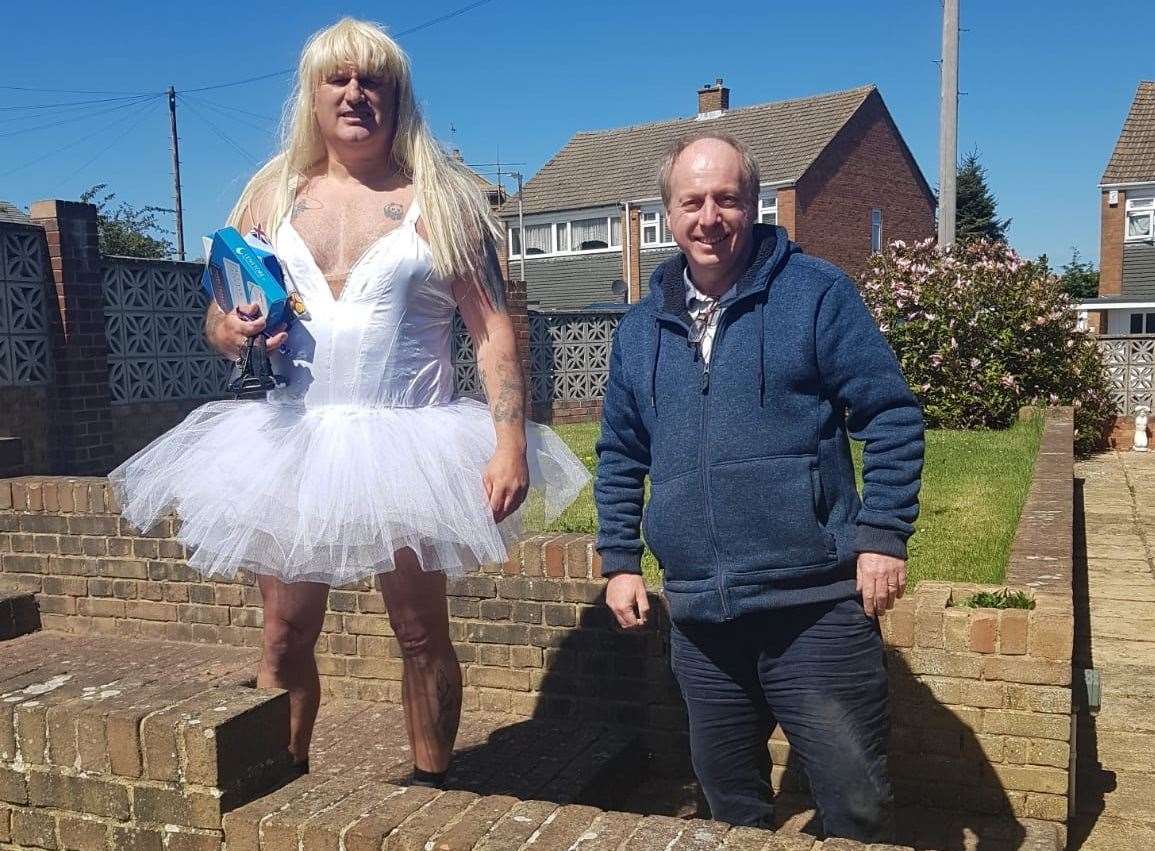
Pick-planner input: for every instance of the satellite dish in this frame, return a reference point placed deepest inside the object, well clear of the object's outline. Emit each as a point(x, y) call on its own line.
point(618, 287)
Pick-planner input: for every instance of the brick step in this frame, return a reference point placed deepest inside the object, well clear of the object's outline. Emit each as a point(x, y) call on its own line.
point(19, 614)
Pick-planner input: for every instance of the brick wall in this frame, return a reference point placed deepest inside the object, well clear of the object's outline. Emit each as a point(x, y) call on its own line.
point(866, 166)
point(981, 698)
point(1111, 229)
point(26, 414)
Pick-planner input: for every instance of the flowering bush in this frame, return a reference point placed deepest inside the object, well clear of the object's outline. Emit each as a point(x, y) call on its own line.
point(981, 332)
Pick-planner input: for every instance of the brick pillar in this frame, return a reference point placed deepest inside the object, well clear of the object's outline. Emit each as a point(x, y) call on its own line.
point(787, 215)
point(632, 259)
point(503, 249)
point(82, 415)
point(515, 302)
point(1111, 245)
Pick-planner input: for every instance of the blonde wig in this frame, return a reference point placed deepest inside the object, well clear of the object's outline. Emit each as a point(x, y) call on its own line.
point(456, 214)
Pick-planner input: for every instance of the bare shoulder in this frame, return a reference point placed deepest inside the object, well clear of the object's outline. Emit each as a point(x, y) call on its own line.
point(258, 211)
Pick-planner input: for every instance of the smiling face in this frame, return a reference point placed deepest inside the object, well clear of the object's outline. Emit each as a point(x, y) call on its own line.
point(354, 108)
point(711, 213)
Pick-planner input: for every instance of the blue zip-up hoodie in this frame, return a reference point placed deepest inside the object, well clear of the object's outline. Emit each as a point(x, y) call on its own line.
point(753, 502)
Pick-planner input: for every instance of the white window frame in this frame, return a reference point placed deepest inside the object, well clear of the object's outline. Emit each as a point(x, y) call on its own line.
point(1139, 208)
point(767, 205)
point(655, 217)
point(561, 226)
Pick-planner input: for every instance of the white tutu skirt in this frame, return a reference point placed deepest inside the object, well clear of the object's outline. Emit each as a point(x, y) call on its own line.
point(329, 494)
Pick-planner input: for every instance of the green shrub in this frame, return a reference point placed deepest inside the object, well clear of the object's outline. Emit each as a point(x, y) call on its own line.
point(1004, 599)
point(980, 332)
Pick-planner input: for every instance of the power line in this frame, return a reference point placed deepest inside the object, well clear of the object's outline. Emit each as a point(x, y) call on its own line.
point(252, 160)
point(259, 122)
point(58, 149)
point(75, 118)
point(425, 25)
point(50, 106)
point(141, 114)
point(72, 91)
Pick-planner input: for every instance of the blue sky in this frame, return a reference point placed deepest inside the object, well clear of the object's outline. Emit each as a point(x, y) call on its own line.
point(1047, 86)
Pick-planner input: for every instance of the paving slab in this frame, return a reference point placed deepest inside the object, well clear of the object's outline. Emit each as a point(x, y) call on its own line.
point(1116, 765)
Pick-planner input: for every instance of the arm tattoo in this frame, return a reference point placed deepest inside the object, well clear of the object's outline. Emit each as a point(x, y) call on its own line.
point(393, 211)
point(507, 393)
point(492, 278)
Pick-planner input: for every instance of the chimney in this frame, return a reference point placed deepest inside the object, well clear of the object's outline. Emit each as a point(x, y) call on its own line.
point(713, 100)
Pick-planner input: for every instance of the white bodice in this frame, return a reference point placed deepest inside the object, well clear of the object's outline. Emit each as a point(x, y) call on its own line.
point(384, 342)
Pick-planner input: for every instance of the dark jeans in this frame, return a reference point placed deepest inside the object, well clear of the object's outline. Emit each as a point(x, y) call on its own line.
point(819, 671)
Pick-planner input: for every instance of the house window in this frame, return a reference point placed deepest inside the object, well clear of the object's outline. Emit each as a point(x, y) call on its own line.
point(563, 236)
point(515, 242)
point(590, 234)
point(1139, 216)
point(875, 230)
point(651, 225)
point(615, 231)
point(768, 209)
point(656, 229)
point(538, 239)
point(1143, 323)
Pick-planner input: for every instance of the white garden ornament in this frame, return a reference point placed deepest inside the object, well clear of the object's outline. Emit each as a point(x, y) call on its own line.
point(1140, 444)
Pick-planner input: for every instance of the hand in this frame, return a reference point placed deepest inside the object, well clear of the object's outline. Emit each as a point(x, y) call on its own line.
point(626, 597)
point(506, 480)
point(229, 333)
point(881, 581)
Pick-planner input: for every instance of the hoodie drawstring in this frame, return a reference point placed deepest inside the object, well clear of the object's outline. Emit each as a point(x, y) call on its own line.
point(761, 352)
point(654, 367)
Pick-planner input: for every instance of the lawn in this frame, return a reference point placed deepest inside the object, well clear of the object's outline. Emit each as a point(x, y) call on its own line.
point(973, 488)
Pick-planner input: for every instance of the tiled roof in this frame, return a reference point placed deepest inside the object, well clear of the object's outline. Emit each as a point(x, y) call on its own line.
point(608, 166)
point(1134, 157)
point(12, 213)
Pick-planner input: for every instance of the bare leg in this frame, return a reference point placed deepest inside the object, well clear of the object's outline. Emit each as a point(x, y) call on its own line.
point(431, 679)
point(294, 612)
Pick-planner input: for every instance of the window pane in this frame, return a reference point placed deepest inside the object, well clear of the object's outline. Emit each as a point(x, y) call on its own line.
point(666, 235)
point(1138, 225)
point(1140, 203)
point(616, 231)
point(649, 234)
point(1149, 324)
point(1136, 323)
point(588, 234)
point(563, 236)
point(538, 239)
point(769, 217)
point(515, 241)
point(875, 230)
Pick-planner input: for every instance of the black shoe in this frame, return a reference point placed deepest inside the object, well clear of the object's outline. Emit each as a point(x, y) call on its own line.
point(429, 779)
point(301, 768)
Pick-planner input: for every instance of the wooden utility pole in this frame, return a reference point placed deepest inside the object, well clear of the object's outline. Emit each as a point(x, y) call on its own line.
point(176, 174)
point(948, 125)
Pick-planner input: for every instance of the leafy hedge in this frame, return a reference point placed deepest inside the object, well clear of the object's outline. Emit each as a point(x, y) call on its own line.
point(980, 332)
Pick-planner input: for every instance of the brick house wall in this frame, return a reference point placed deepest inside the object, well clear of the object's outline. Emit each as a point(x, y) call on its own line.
point(866, 166)
point(1111, 244)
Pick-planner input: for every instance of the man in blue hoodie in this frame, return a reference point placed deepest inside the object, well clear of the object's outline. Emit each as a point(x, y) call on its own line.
point(734, 386)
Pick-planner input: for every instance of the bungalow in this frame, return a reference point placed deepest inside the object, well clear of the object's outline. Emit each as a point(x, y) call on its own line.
point(1126, 302)
point(589, 226)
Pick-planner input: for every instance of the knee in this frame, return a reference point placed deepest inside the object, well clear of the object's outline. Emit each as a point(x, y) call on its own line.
point(286, 645)
point(419, 638)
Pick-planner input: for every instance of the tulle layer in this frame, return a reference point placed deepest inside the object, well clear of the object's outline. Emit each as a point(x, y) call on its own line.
point(329, 494)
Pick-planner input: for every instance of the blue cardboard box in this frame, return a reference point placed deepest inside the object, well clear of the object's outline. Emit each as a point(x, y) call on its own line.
point(239, 272)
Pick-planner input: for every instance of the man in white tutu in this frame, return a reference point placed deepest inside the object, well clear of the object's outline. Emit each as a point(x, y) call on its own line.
point(365, 463)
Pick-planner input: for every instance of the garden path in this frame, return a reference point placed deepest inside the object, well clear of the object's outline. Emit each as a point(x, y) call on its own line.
point(1116, 636)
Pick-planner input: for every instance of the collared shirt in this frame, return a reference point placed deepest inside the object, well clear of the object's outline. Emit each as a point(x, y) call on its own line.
point(698, 303)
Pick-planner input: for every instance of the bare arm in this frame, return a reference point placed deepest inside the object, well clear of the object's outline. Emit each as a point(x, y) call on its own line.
point(507, 477)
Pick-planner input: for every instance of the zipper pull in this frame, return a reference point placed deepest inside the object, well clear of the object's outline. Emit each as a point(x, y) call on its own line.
point(705, 376)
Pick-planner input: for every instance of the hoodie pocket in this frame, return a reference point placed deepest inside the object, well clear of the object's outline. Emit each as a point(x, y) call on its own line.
point(674, 526)
point(770, 513)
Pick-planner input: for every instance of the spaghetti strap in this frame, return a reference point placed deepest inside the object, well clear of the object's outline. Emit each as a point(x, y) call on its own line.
point(413, 213)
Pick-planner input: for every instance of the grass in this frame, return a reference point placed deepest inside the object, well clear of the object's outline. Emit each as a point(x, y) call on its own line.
point(973, 489)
